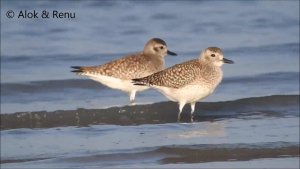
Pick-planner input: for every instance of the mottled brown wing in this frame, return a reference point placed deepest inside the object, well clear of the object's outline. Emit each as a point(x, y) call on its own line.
point(174, 77)
point(128, 67)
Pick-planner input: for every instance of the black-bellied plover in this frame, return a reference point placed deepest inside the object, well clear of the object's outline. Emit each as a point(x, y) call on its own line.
point(117, 74)
point(190, 81)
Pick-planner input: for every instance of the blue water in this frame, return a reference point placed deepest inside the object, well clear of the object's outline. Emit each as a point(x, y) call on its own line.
point(44, 49)
point(262, 37)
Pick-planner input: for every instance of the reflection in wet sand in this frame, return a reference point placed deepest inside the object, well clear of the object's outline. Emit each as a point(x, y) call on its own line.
point(205, 130)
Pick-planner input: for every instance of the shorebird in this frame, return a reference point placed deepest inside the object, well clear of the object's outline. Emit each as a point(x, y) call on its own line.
point(117, 74)
point(190, 81)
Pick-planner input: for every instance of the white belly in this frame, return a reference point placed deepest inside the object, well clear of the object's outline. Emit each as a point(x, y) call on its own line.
point(187, 94)
point(115, 83)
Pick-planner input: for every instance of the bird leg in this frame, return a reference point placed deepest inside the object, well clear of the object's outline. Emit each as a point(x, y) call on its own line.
point(132, 97)
point(181, 105)
point(192, 110)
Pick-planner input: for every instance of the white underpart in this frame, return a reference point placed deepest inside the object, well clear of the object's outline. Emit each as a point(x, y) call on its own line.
point(116, 83)
point(187, 94)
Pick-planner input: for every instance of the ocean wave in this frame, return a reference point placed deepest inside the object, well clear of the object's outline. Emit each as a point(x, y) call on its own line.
point(291, 48)
point(49, 86)
point(198, 154)
point(286, 48)
point(282, 48)
point(60, 85)
point(266, 77)
point(57, 58)
point(179, 154)
point(156, 113)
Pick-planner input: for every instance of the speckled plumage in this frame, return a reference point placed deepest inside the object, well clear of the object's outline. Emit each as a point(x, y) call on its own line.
point(190, 72)
point(126, 68)
point(190, 81)
point(117, 74)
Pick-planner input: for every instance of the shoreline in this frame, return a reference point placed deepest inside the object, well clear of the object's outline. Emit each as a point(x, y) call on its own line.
point(156, 113)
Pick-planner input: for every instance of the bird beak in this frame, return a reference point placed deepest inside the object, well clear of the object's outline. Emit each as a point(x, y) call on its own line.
point(228, 61)
point(171, 53)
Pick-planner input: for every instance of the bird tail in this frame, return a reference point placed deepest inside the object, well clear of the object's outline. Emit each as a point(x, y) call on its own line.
point(140, 81)
point(77, 69)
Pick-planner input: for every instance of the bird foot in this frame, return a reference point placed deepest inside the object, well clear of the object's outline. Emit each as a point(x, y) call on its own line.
point(178, 119)
point(132, 103)
point(192, 118)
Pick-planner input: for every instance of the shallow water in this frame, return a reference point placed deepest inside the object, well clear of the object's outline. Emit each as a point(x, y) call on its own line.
point(225, 139)
point(53, 118)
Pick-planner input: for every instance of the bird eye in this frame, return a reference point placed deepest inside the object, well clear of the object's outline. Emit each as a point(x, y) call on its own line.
point(212, 55)
point(161, 47)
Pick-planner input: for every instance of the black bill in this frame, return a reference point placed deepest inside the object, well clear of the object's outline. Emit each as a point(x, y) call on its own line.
point(228, 61)
point(171, 53)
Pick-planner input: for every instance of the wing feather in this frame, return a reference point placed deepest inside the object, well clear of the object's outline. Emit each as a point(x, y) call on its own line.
point(174, 77)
